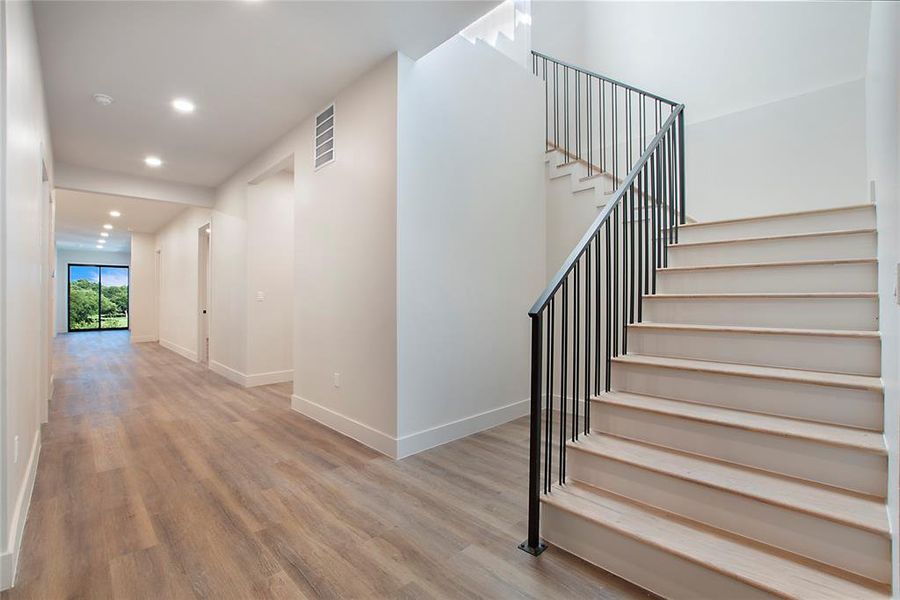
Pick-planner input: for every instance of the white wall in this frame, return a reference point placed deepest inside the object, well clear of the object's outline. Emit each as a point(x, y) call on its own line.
point(883, 156)
point(178, 246)
point(142, 293)
point(270, 272)
point(25, 150)
point(346, 265)
point(88, 257)
point(470, 254)
point(773, 91)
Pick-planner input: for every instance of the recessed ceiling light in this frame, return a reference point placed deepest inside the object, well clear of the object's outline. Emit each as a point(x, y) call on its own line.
point(153, 161)
point(99, 247)
point(107, 226)
point(183, 105)
point(103, 99)
point(101, 241)
point(104, 234)
point(115, 213)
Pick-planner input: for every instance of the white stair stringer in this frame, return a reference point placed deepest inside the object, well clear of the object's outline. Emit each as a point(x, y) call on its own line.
point(740, 451)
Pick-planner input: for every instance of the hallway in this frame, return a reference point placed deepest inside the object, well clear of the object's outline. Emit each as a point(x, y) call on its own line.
point(159, 479)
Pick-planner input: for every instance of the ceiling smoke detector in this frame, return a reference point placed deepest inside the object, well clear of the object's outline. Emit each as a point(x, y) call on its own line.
point(103, 99)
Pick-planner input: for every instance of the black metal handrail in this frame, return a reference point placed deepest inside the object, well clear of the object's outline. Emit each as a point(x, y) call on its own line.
point(599, 288)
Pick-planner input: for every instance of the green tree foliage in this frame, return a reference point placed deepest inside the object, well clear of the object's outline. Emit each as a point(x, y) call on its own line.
point(83, 305)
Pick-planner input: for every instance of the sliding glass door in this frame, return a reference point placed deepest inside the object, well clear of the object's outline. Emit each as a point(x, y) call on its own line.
point(98, 297)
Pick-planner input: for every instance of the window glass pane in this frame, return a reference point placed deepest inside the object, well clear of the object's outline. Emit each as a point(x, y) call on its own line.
point(114, 298)
point(84, 297)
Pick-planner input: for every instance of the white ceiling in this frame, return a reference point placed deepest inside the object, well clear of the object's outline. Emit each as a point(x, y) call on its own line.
point(80, 217)
point(254, 70)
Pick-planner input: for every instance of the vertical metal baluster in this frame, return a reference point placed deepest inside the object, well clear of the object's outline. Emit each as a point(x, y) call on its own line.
point(597, 321)
point(665, 205)
point(615, 131)
point(615, 278)
point(681, 164)
point(640, 245)
point(555, 106)
point(578, 115)
point(653, 219)
point(601, 85)
point(608, 306)
point(590, 126)
point(587, 332)
point(566, 108)
point(563, 393)
point(546, 108)
point(628, 144)
point(632, 255)
point(576, 331)
point(533, 543)
point(673, 222)
point(548, 379)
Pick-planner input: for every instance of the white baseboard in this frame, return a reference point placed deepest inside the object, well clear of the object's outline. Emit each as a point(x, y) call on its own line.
point(255, 379)
point(414, 443)
point(188, 354)
point(228, 373)
point(362, 433)
point(407, 445)
point(9, 560)
point(140, 339)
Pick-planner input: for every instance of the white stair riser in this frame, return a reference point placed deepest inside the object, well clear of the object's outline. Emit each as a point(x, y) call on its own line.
point(670, 576)
point(805, 313)
point(840, 277)
point(847, 468)
point(854, 355)
point(858, 218)
point(835, 405)
point(839, 545)
point(855, 245)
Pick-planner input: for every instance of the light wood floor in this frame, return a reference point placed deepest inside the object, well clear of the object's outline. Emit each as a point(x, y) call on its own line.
point(158, 479)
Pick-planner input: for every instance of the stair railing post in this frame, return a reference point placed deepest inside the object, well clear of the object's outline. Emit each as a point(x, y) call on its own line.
point(534, 544)
point(681, 166)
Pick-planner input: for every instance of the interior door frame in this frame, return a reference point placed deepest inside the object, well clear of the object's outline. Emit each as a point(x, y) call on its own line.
point(99, 296)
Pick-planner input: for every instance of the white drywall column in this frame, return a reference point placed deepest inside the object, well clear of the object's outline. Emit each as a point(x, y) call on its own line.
point(143, 292)
point(471, 227)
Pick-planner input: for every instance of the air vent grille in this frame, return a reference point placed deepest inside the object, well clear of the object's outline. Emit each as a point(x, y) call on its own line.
point(324, 138)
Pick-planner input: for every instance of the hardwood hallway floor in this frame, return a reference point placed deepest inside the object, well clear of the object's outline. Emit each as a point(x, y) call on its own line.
point(159, 479)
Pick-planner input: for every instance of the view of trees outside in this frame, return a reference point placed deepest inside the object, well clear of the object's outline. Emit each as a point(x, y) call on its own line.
point(98, 297)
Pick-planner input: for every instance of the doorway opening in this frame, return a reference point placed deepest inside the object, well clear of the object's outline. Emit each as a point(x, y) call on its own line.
point(98, 297)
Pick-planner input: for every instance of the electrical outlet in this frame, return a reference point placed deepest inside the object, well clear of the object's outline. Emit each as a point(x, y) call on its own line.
point(16, 449)
point(337, 380)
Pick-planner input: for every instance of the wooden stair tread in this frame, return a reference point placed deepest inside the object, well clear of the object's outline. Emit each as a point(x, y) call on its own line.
point(793, 263)
point(782, 215)
point(754, 330)
point(737, 296)
point(850, 509)
point(785, 236)
point(767, 570)
point(859, 382)
point(835, 435)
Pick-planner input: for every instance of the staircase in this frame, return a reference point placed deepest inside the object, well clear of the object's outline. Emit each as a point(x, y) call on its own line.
point(707, 407)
